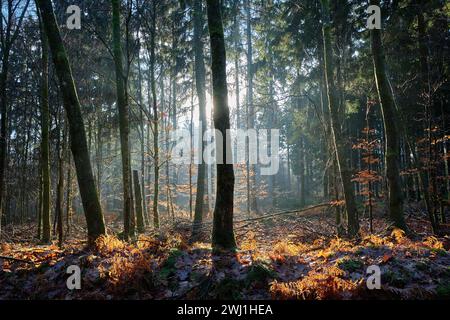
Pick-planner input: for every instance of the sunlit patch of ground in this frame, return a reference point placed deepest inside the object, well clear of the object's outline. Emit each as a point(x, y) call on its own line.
point(289, 258)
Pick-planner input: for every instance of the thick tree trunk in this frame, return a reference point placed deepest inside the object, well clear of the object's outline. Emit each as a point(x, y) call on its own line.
point(223, 235)
point(89, 197)
point(392, 147)
point(338, 138)
point(200, 87)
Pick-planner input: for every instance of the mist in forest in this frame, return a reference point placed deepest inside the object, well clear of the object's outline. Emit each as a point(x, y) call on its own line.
point(276, 142)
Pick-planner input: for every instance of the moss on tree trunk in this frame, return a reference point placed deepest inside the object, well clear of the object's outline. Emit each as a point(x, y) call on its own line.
point(91, 204)
point(223, 235)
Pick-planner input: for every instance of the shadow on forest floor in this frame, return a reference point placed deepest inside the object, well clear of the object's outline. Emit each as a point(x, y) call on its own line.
point(290, 259)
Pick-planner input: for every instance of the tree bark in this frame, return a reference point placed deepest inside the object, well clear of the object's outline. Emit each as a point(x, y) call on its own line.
point(142, 136)
point(69, 209)
point(124, 126)
point(223, 235)
point(302, 176)
point(138, 205)
point(45, 123)
point(392, 139)
point(251, 168)
point(60, 185)
point(200, 88)
point(155, 119)
point(236, 39)
point(338, 138)
point(91, 204)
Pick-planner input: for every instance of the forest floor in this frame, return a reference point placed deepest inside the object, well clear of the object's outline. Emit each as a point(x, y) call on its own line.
point(287, 257)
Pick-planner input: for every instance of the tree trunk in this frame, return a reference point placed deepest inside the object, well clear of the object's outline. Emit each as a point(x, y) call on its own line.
point(45, 155)
point(155, 119)
point(142, 128)
point(236, 39)
point(302, 173)
point(191, 154)
point(91, 204)
point(392, 147)
point(200, 87)
point(223, 235)
point(338, 138)
point(39, 226)
point(99, 152)
point(289, 179)
point(3, 130)
point(60, 186)
point(124, 126)
point(138, 200)
point(251, 168)
point(69, 209)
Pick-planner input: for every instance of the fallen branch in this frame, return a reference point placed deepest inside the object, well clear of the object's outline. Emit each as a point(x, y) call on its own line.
point(268, 216)
point(206, 224)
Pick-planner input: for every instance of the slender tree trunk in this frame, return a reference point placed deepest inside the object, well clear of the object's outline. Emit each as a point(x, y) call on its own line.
point(99, 152)
point(339, 140)
point(236, 38)
point(39, 226)
point(251, 168)
point(200, 79)
point(45, 154)
point(223, 235)
point(302, 173)
point(155, 119)
point(289, 179)
point(425, 178)
point(138, 200)
point(369, 168)
point(445, 154)
point(60, 187)
point(191, 154)
point(165, 130)
point(69, 209)
point(3, 130)
point(124, 125)
point(91, 204)
point(339, 226)
point(142, 128)
point(392, 147)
